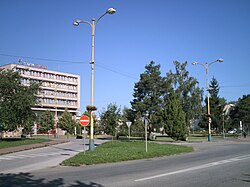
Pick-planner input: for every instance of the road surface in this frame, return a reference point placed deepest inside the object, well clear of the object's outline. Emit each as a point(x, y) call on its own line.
point(40, 158)
point(220, 164)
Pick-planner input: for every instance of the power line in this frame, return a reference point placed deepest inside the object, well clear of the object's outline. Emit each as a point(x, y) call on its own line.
point(232, 86)
point(115, 71)
point(74, 62)
point(42, 59)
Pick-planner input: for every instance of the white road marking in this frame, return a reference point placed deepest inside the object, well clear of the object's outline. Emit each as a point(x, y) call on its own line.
point(22, 156)
point(3, 158)
point(243, 157)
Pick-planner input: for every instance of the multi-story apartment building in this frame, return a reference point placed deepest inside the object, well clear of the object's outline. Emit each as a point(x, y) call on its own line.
point(59, 91)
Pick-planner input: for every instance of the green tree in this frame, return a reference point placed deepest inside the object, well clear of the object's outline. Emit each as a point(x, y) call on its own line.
point(174, 118)
point(148, 95)
point(67, 123)
point(16, 100)
point(187, 89)
point(241, 112)
point(244, 108)
point(216, 104)
point(110, 119)
point(127, 115)
point(28, 125)
point(48, 122)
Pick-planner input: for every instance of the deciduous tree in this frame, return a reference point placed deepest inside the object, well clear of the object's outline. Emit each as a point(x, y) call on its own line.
point(187, 89)
point(47, 122)
point(16, 100)
point(242, 111)
point(110, 118)
point(67, 123)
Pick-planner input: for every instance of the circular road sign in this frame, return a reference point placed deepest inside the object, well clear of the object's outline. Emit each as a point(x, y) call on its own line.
point(84, 120)
point(209, 120)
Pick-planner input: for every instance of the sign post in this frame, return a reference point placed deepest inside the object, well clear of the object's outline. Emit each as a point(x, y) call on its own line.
point(128, 124)
point(84, 121)
point(241, 128)
point(145, 119)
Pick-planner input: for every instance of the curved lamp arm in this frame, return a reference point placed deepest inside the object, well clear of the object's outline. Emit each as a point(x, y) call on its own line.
point(109, 11)
point(76, 22)
point(218, 60)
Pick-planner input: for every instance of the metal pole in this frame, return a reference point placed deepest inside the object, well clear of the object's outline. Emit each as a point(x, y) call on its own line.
point(223, 123)
point(56, 117)
point(129, 133)
point(146, 137)
point(93, 25)
point(208, 105)
point(84, 139)
point(241, 129)
point(91, 140)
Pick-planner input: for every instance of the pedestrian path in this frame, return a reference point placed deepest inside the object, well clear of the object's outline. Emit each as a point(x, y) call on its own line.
point(23, 156)
point(31, 146)
point(35, 159)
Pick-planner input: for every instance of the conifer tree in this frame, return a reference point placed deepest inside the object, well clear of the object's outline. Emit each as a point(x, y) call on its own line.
point(216, 104)
point(148, 95)
point(174, 118)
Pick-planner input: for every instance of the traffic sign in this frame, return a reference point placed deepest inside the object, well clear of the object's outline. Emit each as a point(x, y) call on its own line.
point(128, 123)
point(84, 120)
point(209, 120)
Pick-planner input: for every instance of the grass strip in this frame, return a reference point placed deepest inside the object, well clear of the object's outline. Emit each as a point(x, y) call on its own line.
point(117, 151)
point(6, 143)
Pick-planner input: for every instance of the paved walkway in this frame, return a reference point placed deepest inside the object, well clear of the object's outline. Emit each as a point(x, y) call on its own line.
point(32, 146)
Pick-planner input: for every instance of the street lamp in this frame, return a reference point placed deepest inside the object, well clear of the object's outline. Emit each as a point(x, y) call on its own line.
point(206, 65)
point(93, 25)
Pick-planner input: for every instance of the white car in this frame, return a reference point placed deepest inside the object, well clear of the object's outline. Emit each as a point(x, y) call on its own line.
point(233, 131)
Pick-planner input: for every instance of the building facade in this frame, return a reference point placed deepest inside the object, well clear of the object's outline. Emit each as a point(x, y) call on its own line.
point(59, 91)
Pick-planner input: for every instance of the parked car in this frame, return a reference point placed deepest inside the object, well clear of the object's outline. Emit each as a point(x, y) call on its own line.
point(233, 131)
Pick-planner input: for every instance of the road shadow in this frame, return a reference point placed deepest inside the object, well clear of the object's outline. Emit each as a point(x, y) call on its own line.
point(65, 149)
point(247, 178)
point(29, 180)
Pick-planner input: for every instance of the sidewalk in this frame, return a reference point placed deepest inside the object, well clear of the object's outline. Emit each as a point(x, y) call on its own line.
point(31, 146)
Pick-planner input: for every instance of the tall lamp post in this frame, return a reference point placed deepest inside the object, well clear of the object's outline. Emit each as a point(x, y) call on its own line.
point(92, 107)
point(206, 65)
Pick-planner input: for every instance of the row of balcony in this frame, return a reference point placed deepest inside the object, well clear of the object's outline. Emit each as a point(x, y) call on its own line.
point(53, 85)
point(54, 102)
point(33, 73)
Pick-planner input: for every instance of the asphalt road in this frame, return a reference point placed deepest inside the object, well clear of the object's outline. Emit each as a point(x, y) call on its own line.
point(40, 158)
point(222, 164)
point(35, 159)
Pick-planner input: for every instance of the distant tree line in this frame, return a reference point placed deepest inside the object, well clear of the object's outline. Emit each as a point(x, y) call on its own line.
point(168, 103)
point(171, 103)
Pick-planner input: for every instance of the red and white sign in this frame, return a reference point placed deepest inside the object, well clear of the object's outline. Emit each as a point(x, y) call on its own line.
point(209, 120)
point(84, 120)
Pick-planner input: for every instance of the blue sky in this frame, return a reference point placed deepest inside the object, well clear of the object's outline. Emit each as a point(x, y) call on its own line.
point(140, 31)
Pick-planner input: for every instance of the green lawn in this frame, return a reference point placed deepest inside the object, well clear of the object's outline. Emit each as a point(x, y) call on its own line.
point(5, 143)
point(117, 151)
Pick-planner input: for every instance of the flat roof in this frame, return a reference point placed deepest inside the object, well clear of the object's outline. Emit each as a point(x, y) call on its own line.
point(39, 68)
